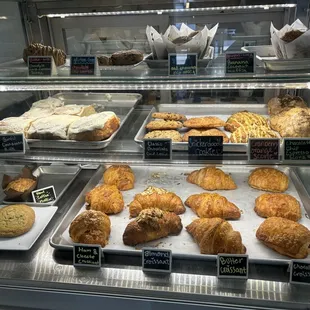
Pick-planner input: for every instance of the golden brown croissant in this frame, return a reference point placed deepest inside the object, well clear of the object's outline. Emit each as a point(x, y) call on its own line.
point(211, 178)
point(154, 197)
point(151, 224)
point(216, 236)
point(285, 237)
point(121, 176)
point(212, 205)
point(105, 198)
point(91, 227)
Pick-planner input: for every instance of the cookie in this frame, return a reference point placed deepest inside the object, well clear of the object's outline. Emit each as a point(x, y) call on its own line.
point(174, 135)
point(163, 125)
point(204, 122)
point(169, 116)
point(208, 132)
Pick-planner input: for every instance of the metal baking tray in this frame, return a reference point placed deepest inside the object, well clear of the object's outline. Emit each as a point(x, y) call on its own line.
point(266, 58)
point(121, 104)
point(60, 176)
point(223, 111)
point(174, 179)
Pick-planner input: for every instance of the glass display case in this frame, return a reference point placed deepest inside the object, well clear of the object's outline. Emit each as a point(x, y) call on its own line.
point(177, 130)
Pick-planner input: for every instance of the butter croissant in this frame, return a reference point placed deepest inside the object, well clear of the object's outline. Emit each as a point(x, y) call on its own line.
point(154, 197)
point(216, 236)
point(151, 224)
point(121, 176)
point(211, 178)
point(208, 205)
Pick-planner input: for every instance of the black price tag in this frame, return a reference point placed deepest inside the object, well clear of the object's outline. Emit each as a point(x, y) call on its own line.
point(157, 149)
point(44, 195)
point(182, 64)
point(300, 272)
point(297, 149)
point(240, 63)
point(264, 149)
point(156, 260)
point(205, 148)
point(232, 266)
point(12, 143)
point(40, 65)
point(83, 65)
point(85, 255)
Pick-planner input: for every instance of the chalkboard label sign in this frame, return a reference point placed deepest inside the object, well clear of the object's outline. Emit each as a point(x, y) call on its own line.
point(40, 65)
point(85, 255)
point(240, 63)
point(205, 148)
point(182, 64)
point(264, 149)
point(297, 149)
point(83, 65)
point(157, 149)
point(232, 266)
point(300, 272)
point(12, 143)
point(156, 260)
point(44, 195)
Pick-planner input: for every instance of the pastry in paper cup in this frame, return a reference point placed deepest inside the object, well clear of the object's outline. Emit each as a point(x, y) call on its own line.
point(20, 187)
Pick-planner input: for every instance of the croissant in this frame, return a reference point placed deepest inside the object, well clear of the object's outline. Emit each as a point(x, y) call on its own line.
point(216, 236)
point(105, 198)
point(120, 176)
point(151, 224)
point(154, 197)
point(212, 205)
point(211, 178)
point(91, 227)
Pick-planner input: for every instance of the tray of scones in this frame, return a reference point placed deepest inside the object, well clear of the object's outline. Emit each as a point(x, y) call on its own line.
point(196, 212)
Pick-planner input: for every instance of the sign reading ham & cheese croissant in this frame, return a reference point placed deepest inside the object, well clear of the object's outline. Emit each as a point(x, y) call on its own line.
point(85, 255)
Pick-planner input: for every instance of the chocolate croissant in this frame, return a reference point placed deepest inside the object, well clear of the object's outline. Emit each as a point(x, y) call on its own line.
point(151, 224)
point(121, 176)
point(216, 236)
point(208, 205)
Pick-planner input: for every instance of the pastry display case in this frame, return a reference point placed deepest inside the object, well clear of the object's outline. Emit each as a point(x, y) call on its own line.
point(166, 144)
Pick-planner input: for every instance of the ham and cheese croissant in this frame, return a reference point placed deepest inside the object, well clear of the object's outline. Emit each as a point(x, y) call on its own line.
point(151, 224)
point(121, 176)
point(208, 205)
point(154, 197)
point(216, 236)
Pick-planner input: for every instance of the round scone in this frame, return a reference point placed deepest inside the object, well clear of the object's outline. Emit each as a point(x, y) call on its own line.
point(268, 179)
point(169, 116)
point(278, 105)
point(16, 220)
point(174, 135)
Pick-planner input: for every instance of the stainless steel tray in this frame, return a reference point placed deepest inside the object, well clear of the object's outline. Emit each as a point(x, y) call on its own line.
point(266, 58)
point(174, 179)
point(60, 176)
point(223, 111)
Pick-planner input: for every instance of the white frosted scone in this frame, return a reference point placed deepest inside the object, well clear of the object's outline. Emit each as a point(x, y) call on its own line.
point(95, 127)
point(48, 103)
point(74, 109)
point(54, 127)
point(36, 113)
point(14, 125)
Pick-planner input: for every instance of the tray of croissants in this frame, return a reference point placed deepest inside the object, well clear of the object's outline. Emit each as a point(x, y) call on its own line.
point(193, 211)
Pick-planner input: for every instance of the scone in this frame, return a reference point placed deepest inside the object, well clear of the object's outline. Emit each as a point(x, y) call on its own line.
point(169, 116)
point(14, 125)
point(268, 179)
point(126, 58)
point(95, 127)
point(163, 125)
point(278, 205)
point(74, 109)
point(48, 103)
point(204, 122)
point(280, 104)
point(174, 135)
point(244, 119)
point(121, 176)
point(244, 133)
point(16, 220)
point(202, 132)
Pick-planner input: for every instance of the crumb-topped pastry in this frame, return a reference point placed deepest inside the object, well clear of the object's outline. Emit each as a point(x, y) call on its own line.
point(174, 135)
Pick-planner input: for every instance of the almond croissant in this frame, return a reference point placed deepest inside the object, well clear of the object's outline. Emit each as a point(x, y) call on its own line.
point(216, 236)
point(212, 205)
point(151, 224)
point(154, 197)
point(121, 176)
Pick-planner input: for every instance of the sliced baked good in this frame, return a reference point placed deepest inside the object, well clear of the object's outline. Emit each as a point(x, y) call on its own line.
point(95, 127)
point(205, 132)
point(163, 125)
point(154, 197)
point(204, 122)
point(215, 236)
point(121, 176)
point(105, 198)
point(211, 178)
point(16, 220)
point(244, 119)
point(48, 103)
point(284, 103)
point(208, 205)
point(285, 237)
point(14, 125)
point(151, 224)
point(36, 113)
point(169, 116)
point(126, 58)
point(91, 227)
point(174, 135)
point(278, 205)
point(268, 179)
point(75, 109)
